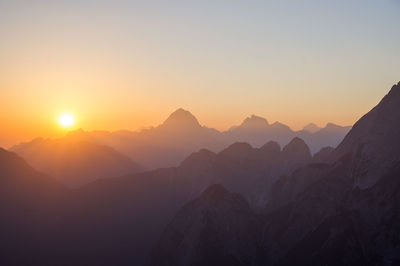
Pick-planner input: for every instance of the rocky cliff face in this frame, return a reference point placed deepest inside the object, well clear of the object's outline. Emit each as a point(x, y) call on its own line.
point(374, 142)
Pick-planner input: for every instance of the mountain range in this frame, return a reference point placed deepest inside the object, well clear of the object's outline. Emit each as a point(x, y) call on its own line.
point(343, 212)
point(243, 205)
point(74, 160)
point(81, 157)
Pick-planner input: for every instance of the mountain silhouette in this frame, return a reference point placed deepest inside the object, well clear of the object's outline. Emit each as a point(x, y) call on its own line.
point(74, 160)
point(312, 128)
point(217, 218)
point(118, 220)
point(340, 212)
point(29, 204)
point(181, 133)
point(181, 120)
point(272, 206)
point(252, 122)
point(373, 141)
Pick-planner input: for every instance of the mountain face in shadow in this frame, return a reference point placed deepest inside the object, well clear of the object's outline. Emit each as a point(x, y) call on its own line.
point(74, 160)
point(217, 218)
point(272, 206)
point(29, 204)
point(144, 203)
point(344, 212)
point(118, 220)
point(373, 141)
point(244, 169)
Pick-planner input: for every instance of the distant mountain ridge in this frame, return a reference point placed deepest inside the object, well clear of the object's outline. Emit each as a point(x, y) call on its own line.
point(75, 160)
point(181, 133)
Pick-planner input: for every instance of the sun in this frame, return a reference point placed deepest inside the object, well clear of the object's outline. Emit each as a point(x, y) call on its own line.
point(66, 120)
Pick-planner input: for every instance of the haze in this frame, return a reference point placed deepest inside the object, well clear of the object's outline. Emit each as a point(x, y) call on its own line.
point(128, 64)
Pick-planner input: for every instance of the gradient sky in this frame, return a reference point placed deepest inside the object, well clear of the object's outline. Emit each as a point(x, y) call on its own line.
point(128, 64)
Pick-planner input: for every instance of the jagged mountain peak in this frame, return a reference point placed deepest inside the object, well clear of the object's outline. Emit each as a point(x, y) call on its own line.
point(373, 141)
point(201, 157)
point(255, 121)
point(312, 128)
point(238, 149)
point(181, 118)
point(297, 148)
point(332, 126)
point(279, 126)
point(271, 145)
point(329, 124)
point(295, 144)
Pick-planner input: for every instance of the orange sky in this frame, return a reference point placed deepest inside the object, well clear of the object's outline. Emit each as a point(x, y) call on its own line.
point(127, 65)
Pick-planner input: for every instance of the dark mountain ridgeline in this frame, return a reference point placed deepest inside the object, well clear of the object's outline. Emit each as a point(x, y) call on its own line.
point(122, 218)
point(202, 227)
point(324, 213)
point(321, 213)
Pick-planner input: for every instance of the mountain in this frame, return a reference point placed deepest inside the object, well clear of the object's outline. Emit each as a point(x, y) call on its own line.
point(117, 221)
point(296, 153)
point(251, 123)
point(74, 160)
point(324, 155)
point(312, 128)
point(181, 120)
point(165, 145)
point(16, 175)
point(181, 133)
point(262, 213)
point(330, 135)
point(257, 131)
point(215, 221)
point(244, 169)
point(344, 211)
point(373, 141)
point(29, 202)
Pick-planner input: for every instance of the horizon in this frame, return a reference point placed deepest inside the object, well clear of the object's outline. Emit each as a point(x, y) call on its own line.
point(76, 128)
point(127, 65)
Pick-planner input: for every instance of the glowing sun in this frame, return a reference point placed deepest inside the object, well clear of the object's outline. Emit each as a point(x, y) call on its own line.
point(66, 120)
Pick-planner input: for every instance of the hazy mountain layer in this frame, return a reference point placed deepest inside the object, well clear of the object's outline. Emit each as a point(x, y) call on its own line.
point(82, 156)
point(318, 215)
point(75, 161)
point(118, 220)
point(294, 208)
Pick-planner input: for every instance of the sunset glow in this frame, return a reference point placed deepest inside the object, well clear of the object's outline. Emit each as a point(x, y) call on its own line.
point(282, 60)
point(66, 120)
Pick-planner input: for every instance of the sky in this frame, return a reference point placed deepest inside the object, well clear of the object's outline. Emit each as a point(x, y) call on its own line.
point(129, 64)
